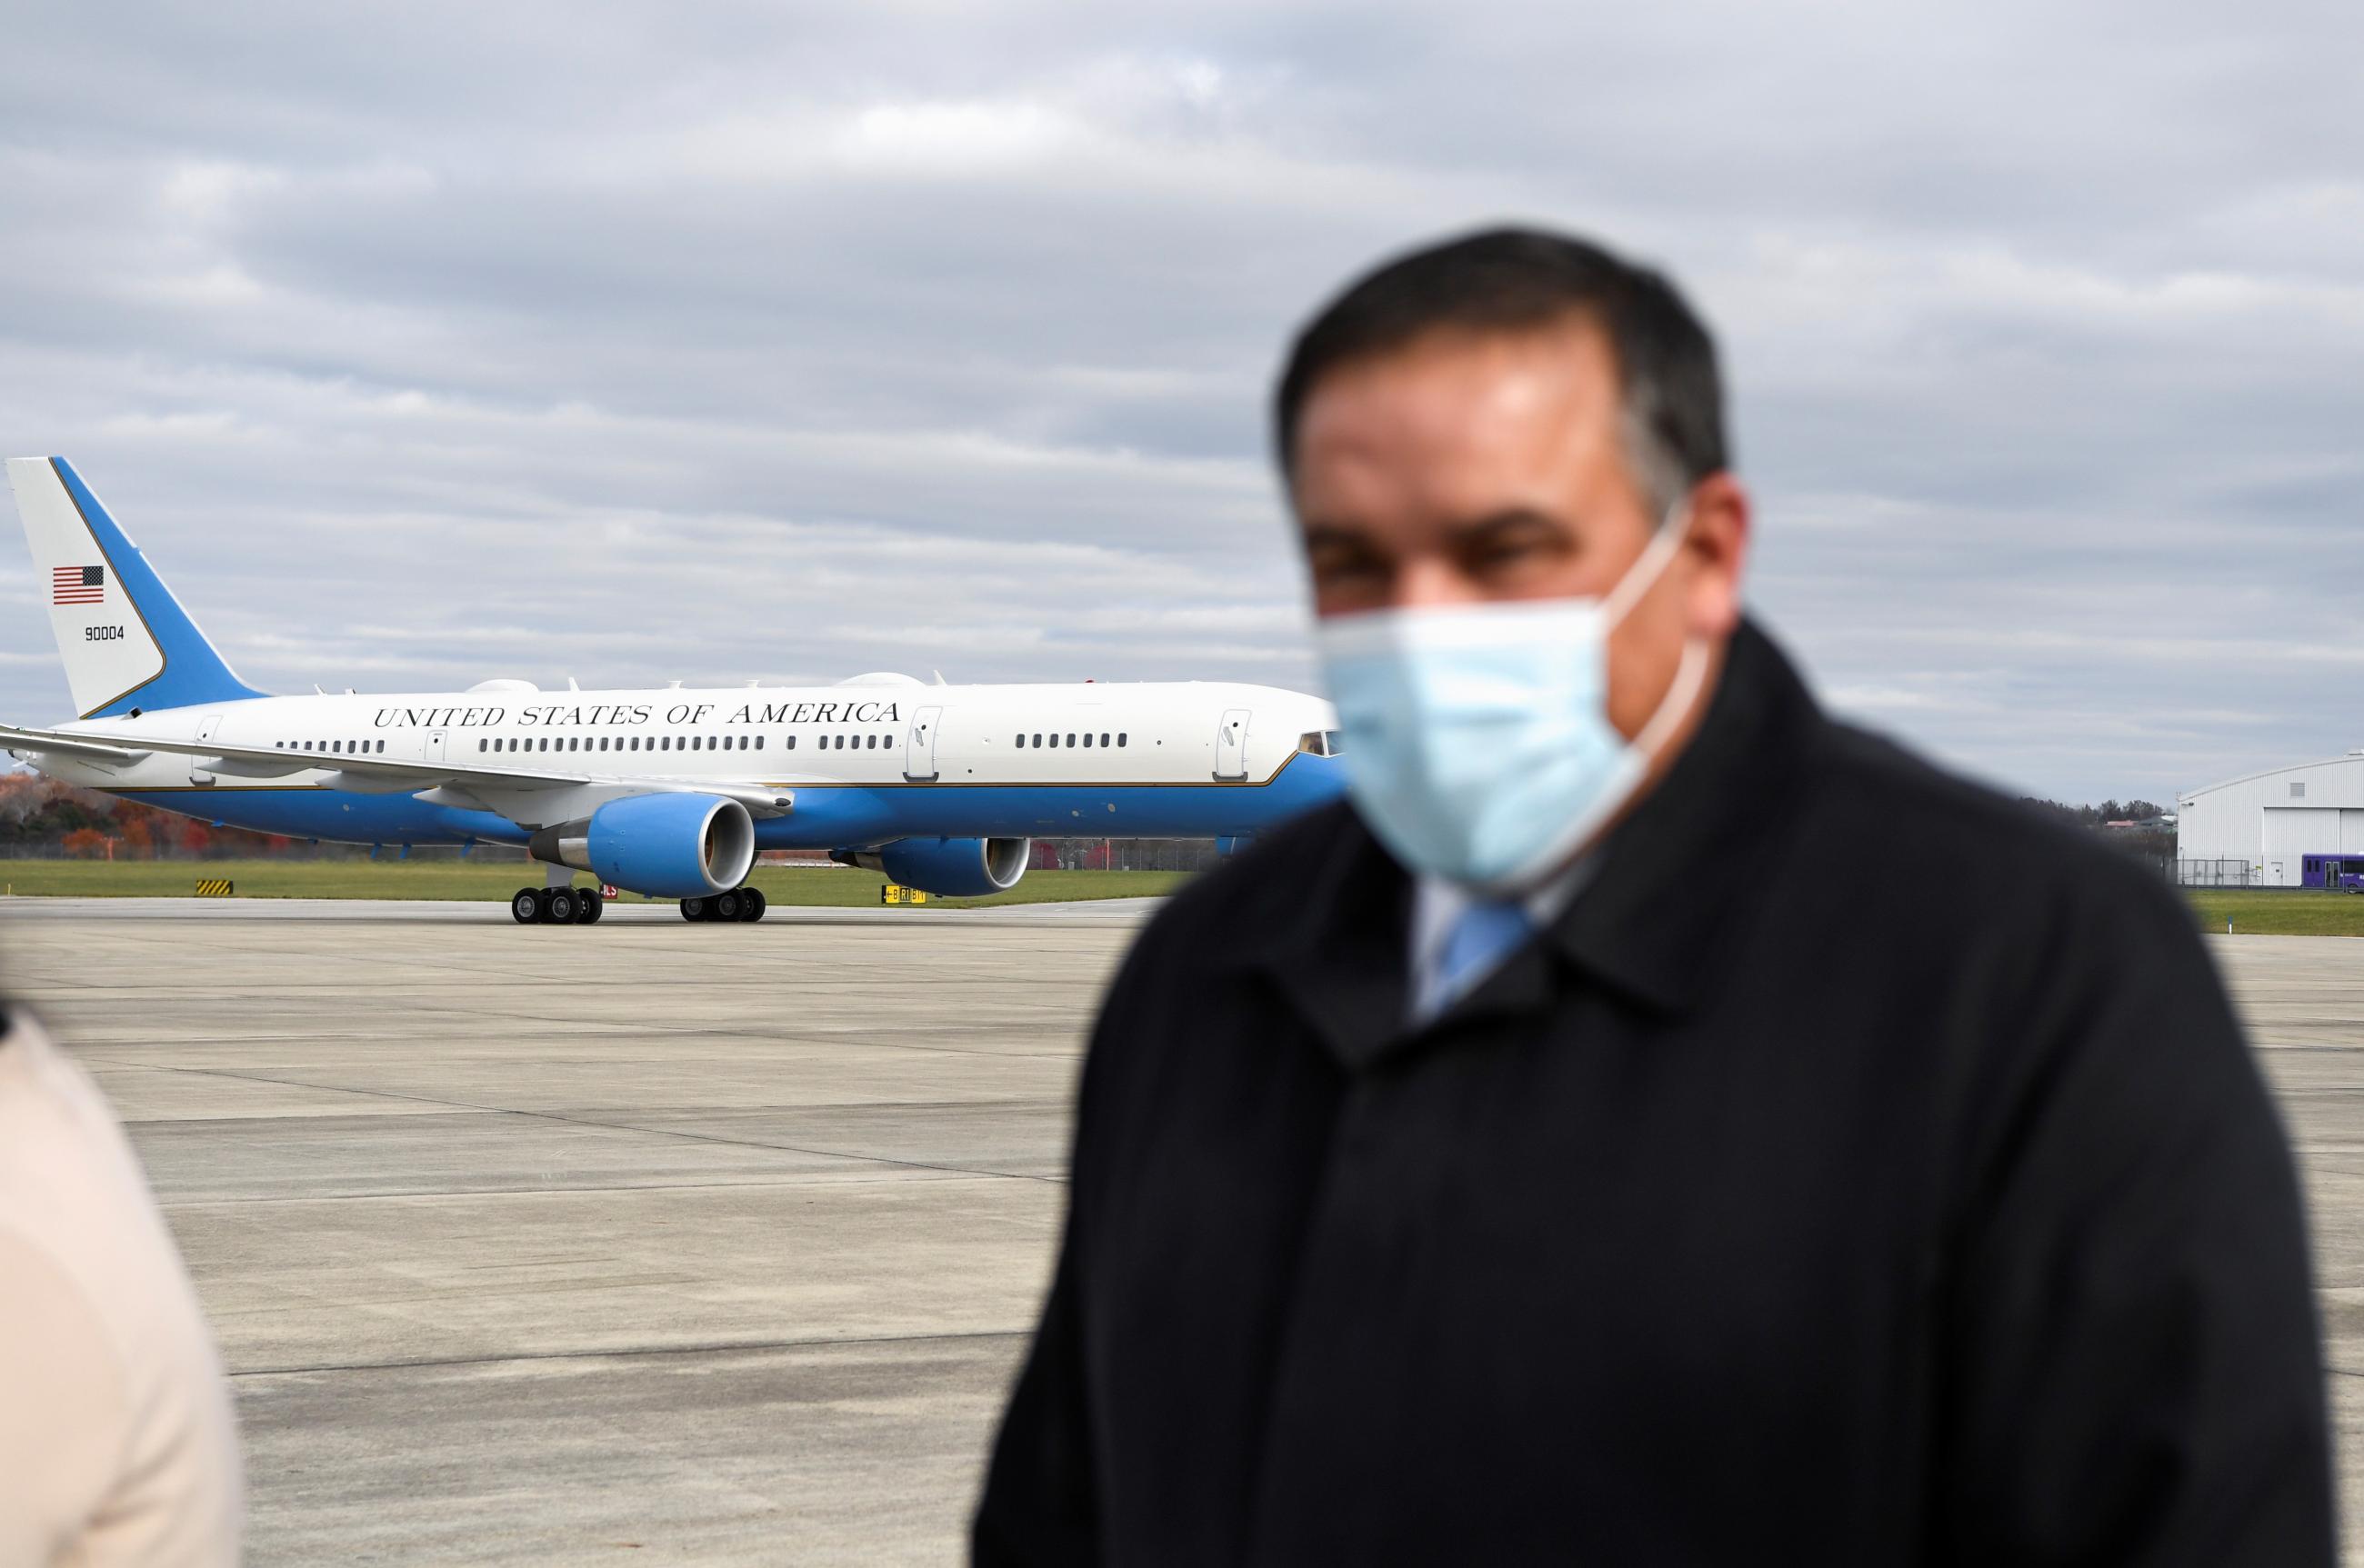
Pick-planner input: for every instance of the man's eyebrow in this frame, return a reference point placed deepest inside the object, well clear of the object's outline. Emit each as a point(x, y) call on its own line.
point(1317, 532)
point(1510, 518)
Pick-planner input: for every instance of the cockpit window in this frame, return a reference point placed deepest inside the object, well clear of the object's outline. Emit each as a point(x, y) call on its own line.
point(1319, 742)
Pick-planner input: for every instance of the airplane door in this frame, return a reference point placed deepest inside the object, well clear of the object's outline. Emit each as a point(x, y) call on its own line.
point(919, 746)
point(435, 745)
point(1232, 746)
point(206, 727)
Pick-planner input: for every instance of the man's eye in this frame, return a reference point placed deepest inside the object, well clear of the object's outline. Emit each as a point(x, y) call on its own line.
point(1503, 554)
point(1345, 569)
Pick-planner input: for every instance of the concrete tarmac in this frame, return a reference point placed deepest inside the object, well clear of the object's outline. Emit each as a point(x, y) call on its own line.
point(645, 1241)
point(660, 1242)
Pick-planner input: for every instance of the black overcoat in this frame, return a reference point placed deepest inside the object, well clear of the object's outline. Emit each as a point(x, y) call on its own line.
point(1863, 1171)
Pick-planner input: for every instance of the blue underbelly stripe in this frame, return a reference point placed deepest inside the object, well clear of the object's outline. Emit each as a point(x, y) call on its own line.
point(824, 819)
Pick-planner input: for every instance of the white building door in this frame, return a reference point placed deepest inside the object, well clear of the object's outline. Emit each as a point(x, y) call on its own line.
point(1232, 746)
point(2292, 833)
point(919, 746)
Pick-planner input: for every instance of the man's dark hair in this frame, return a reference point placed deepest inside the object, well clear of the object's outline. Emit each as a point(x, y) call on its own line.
point(1515, 280)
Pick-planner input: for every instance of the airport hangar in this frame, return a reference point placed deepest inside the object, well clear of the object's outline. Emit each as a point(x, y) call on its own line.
point(2301, 826)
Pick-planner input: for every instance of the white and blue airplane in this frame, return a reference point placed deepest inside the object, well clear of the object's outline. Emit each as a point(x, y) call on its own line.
point(668, 792)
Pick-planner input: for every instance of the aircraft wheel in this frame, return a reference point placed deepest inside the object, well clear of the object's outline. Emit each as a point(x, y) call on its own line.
point(693, 908)
point(588, 908)
point(752, 904)
point(526, 908)
point(561, 905)
point(726, 906)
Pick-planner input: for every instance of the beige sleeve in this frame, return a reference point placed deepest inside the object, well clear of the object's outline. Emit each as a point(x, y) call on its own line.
point(64, 1412)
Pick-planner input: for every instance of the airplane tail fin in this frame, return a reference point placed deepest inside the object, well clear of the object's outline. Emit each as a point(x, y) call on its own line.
point(126, 641)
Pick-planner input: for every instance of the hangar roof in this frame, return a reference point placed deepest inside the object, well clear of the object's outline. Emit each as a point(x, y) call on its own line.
point(2355, 756)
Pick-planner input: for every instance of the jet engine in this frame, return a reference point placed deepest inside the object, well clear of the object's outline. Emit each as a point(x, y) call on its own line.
point(950, 868)
point(668, 846)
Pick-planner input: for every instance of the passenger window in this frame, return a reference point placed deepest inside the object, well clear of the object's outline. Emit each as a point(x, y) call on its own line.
point(1071, 739)
point(759, 742)
point(484, 745)
point(1103, 737)
point(1119, 737)
point(1038, 741)
point(792, 742)
point(1088, 739)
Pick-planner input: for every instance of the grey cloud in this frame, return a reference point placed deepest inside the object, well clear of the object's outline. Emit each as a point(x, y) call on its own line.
point(731, 340)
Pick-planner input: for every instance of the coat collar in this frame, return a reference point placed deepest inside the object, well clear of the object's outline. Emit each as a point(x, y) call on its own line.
point(1653, 922)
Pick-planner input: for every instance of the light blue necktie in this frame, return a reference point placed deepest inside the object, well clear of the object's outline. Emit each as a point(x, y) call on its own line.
point(1485, 933)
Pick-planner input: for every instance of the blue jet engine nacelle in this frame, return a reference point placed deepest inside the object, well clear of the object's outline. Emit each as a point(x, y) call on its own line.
point(949, 868)
point(668, 845)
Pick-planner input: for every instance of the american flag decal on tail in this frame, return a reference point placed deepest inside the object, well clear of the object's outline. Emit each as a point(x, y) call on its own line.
point(77, 584)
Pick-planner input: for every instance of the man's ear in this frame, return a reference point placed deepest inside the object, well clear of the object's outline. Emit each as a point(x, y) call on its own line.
point(1715, 548)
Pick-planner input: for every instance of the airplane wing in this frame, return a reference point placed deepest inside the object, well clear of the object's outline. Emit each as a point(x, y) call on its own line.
point(71, 746)
point(383, 775)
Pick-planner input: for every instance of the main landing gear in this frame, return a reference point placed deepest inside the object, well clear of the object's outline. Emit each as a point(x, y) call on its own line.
point(557, 907)
point(740, 904)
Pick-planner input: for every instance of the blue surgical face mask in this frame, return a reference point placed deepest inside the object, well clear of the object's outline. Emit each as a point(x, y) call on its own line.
point(1477, 741)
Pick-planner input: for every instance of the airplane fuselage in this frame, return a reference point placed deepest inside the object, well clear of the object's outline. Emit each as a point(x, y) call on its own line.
point(863, 761)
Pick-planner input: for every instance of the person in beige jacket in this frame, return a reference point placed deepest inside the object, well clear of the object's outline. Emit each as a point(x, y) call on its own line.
point(117, 1447)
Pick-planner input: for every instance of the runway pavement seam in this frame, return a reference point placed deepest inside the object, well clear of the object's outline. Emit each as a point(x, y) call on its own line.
point(723, 1347)
point(803, 1178)
point(605, 1126)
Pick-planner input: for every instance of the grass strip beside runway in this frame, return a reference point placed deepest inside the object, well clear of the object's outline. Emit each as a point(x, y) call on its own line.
point(2253, 912)
point(2278, 912)
point(799, 887)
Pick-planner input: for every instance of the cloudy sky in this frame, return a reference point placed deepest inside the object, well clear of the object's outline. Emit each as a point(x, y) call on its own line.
point(427, 342)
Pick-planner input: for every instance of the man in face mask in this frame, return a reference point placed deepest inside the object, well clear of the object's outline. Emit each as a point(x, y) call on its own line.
point(1650, 1122)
